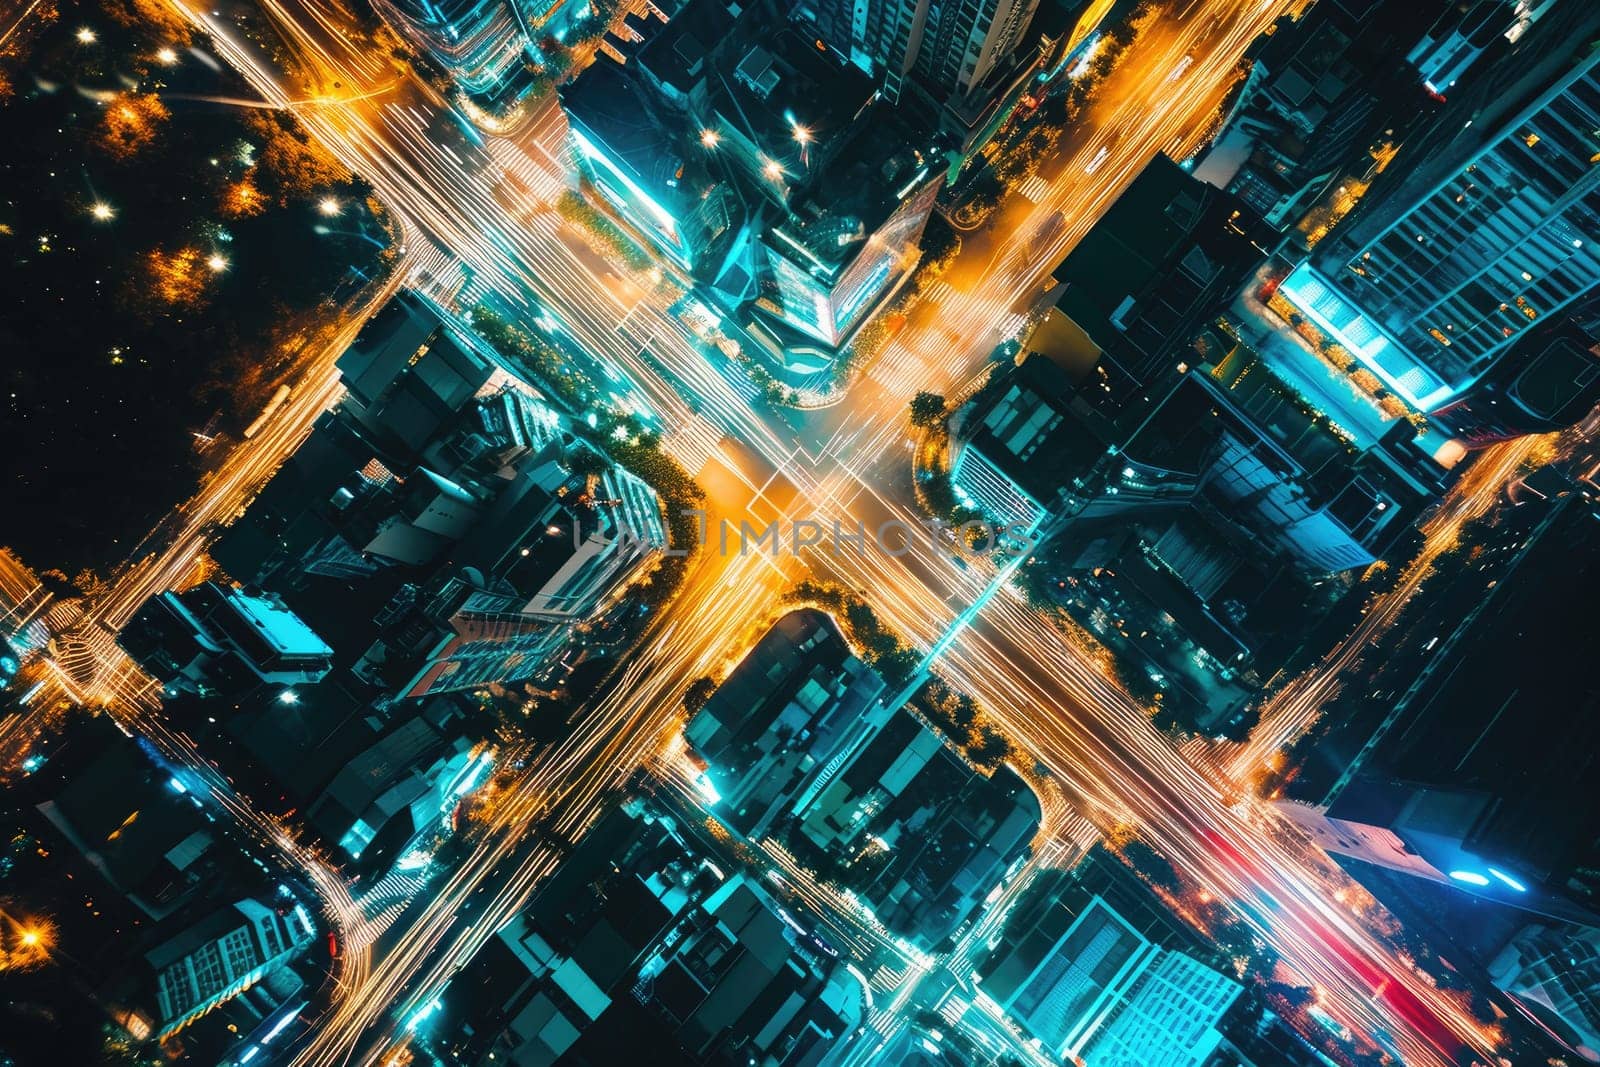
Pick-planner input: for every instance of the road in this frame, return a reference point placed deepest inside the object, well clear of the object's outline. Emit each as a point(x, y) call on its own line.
point(485, 201)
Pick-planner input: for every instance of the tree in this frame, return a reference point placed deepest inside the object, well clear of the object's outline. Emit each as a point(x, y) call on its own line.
point(131, 122)
point(988, 747)
point(965, 712)
point(698, 694)
point(293, 163)
point(927, 410)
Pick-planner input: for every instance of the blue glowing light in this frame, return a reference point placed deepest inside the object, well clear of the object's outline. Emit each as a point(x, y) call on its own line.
point(703, 785)
point(422, 1013)
point(1469, 877)
point(1508, 880)
point(279, 1027)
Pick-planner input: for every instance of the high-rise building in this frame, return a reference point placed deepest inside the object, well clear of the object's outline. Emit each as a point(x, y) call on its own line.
point(215, 637)
point(1170, 1019)
point(1554, 972)
point(765, 166)
point(799, 680)
point(952, 47)
point(1546, 381)
point(1321, 89)
point(1458, 38)
point(1486, 226)
point(221, 956)
point(1093, 967)
point(480, 42)
point(1477, 779)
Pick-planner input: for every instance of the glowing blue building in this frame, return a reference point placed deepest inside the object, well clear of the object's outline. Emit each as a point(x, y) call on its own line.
point(481, 43)
point(1495, 230)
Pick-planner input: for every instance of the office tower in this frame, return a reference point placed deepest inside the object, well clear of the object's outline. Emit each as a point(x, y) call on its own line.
point(765, 166)
point(1479, 778)
point(1458, 38)
point(1321, 89)
point(1486, 226)
point(1554, 972)
point(480, 42)
point(220, 957)
point(952, 47)
point(217, 638)
point(1546, 381)
point(1093, 968)
point(1170, 1019)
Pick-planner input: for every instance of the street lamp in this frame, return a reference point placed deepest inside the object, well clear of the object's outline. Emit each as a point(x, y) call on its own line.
point(329, 206)
point(102, 211)
point(217, 263)
point(26, 943)
point(85, 35)
point(709, 139)
point(166, 57)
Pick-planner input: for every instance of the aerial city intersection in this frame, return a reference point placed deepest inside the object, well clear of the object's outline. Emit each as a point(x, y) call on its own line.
point(800, 533)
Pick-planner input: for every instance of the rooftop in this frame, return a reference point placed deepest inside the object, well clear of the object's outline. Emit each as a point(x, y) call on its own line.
point(279, 627)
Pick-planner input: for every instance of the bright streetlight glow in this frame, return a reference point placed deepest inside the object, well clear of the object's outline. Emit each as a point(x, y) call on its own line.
point(801, 134)
point(166, 56)
point(288, 696)
point(217, 263)
point(329, 206)
point(85, 35)
point(772, 170)
point(102, 211)
point(709, 139)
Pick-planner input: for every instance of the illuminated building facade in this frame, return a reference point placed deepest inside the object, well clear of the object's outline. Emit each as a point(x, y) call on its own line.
point(1554, 973)
point(639, 164)
point(828, 270)
point(761, 165)
point(1170, 1019)
point(540, 577)
point(953, 48)
point(396, 791)
point(222, 956)
point(1454, 836)
point(482, 43)
point(215, 637)
point(1496, 229)
point(1092, 967)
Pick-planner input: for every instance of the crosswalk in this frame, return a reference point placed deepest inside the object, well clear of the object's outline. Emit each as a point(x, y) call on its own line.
point(1034, 189)
point(544, 184)
point(383, 903)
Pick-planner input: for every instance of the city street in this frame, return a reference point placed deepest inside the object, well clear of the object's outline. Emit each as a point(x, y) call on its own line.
point(482, 204)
